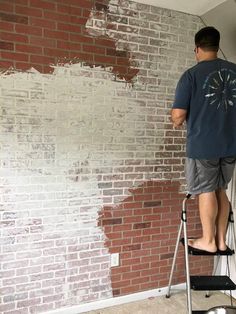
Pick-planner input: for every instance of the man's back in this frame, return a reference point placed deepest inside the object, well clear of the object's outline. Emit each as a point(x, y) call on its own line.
point(208, 92)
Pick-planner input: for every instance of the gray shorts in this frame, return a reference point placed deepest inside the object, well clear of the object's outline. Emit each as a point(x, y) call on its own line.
point(204, 175)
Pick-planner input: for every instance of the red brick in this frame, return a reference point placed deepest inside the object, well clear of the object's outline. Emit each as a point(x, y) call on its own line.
point(22, 2)
point(6, 45)
point(82, 3)
point(29, 11)
point(120, 242)
point(105, 42)
point(56, 52)
point(44, 42)
point(120, 213)
point(131, 219)
point(141, 239)
point(94, 49)
point(142, 225)
point(73, 11)
point(6, 26)
point(152, 231)
point(123, 227)
point(78, 20)
point(132, 247)
point(121, 283)
point(13, 37)
point(69, 27)
point(140, 266)
point(41, 59)
point(63, 8)
point(111, 221)
point(133, 205)
point(87, 57)
point(125, 255)
point(56, 16)
point(28, 30)
point(126, 62)
point(150, 271)
point(46, 5)
point(81, 38)
point(130, 261)
point(152, 217)
point(140, 280)
point(68, 45)
point(133, 274)
point(44, 23)
point(56, 34)
point(27, 66)
point(15, 56)
point(129, 289)
point(149, 286)
point(14, 18)
point(29, 49)
point(105, 60)
point(6, 6)
point(6, 64)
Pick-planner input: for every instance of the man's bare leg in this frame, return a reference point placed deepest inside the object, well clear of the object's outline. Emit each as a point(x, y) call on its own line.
point(222, 219)
point(208, 209)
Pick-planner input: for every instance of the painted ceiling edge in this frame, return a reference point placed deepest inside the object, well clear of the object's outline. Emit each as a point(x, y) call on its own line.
point(184, 7)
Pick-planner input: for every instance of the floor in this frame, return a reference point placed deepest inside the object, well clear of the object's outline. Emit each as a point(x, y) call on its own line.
point(176, 304)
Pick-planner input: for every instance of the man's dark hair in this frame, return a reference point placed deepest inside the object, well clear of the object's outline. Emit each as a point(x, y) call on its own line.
point(208, 39)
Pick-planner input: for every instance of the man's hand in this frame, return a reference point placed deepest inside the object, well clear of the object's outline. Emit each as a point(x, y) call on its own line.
point(178, 116)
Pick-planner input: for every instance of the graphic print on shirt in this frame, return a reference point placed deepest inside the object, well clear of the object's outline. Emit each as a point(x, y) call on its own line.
point(220, 88)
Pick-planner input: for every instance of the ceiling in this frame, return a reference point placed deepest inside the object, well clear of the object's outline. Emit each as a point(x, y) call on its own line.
point(196, 7)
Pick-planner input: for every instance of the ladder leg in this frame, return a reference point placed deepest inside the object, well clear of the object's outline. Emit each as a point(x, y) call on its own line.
point(183, 225)
point(174, 259)
point(231, 220)
point(232, 237)
point(184, 218)
point(228, 273)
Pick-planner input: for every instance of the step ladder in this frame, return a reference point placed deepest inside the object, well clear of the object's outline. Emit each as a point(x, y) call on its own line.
point(204, 283)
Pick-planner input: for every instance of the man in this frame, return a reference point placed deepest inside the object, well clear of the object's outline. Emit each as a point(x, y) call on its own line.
point(206, 98)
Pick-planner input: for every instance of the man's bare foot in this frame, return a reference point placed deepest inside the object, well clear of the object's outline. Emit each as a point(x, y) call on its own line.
point(201, 244)
point(222, 246)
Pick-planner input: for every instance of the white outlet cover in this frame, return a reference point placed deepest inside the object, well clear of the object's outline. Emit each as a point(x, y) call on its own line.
point(115, 259)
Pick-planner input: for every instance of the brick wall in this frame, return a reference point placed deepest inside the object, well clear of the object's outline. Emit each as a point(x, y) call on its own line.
point(89, 162)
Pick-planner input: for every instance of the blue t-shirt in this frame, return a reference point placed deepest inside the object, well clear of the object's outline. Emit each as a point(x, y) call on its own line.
point(208, 92)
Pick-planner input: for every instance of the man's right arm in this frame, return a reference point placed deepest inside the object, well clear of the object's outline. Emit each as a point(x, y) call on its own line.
point(178, 116)
point(182, 100)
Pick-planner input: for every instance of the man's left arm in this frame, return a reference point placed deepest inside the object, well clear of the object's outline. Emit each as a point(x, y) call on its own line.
point(178, 116)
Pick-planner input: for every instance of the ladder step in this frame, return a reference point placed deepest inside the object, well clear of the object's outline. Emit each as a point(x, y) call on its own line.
point(211, 283)
point(192, 251)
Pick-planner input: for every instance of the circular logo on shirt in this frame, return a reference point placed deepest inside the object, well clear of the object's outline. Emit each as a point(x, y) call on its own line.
point(220, 89)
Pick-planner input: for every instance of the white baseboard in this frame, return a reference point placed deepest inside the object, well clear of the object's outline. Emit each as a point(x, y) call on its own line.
point(116, 301)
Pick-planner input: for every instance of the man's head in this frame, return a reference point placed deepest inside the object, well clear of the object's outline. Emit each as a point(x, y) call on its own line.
point(207, 42)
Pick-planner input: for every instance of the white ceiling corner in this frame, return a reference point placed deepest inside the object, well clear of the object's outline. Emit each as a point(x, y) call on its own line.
point(195, 7)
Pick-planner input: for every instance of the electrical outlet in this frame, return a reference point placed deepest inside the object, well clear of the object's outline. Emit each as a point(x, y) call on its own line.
point(115, 260)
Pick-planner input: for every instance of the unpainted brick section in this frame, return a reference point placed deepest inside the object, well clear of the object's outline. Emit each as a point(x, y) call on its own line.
point(59, 22)
point(147, 237)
